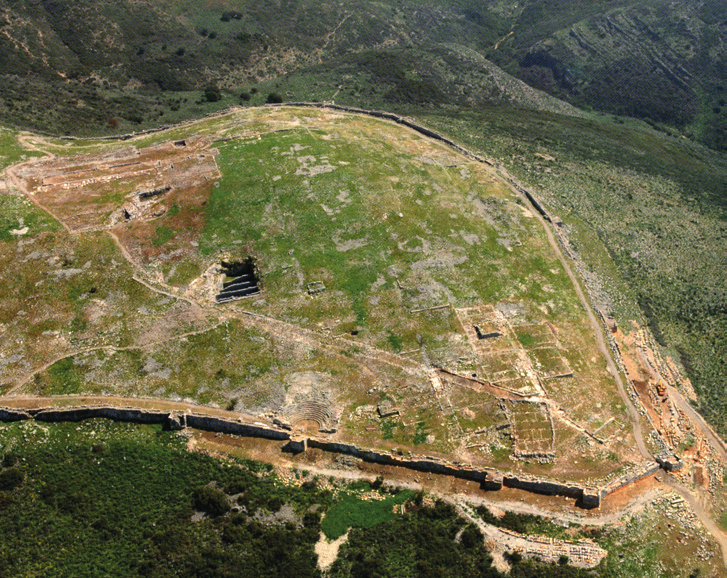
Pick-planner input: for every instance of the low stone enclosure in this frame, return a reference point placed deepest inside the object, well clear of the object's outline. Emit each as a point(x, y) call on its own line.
point(489, 479)
point(531, 428)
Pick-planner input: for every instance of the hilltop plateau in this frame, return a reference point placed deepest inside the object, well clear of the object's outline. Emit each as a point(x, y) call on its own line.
point(483, 332)
point(353, 284)
point(618, 92)
point(406, 297)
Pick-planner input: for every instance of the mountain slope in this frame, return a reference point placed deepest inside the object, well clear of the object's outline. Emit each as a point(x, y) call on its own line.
point(91, 61)
point(91, 67)
point(663, 61)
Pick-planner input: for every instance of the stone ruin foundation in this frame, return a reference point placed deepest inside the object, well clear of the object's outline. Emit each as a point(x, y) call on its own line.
point(242, 280)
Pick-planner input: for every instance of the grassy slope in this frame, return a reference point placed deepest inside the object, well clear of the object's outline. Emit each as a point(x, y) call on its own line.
point(655, 203)
point(403, 215)
point(126, 494)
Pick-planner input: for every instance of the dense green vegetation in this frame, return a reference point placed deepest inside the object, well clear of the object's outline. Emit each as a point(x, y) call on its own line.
point(421, 543)
point(432, 542)
point(127, 494)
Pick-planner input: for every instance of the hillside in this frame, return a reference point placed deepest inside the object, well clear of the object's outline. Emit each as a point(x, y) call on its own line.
point(92, 66)
point(157, 64)
point(378, 302)
point(657, 206)
point(661, 61)
point(139, 503)
point(395, 294)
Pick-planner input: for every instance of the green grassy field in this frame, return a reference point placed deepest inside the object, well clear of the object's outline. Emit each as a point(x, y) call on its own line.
point(353, 512)
point(653, 203)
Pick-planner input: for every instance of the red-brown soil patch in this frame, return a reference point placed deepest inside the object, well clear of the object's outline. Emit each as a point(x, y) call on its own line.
point(185, 220)
point(97, 191)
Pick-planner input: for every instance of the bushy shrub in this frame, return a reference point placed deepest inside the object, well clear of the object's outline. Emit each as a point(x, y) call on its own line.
point(10, 479)
point(212, 94)
point(211, 501)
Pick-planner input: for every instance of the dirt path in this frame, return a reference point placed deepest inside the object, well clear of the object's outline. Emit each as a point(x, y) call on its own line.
point(18, 184)
point(704, 517)
point(166, 291)
point(26, 139)
point(595, 324)
point(634, 506)
point(584, 554)
point(111, 348)
point(149, 403)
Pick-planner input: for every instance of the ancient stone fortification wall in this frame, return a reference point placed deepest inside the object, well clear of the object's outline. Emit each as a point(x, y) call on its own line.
point(8, 414)
point(490, 479)
point(398, 119)
point(109, 412)
point(218, 424)
point(173, 420)
point(629, 478)
point(543, 486)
